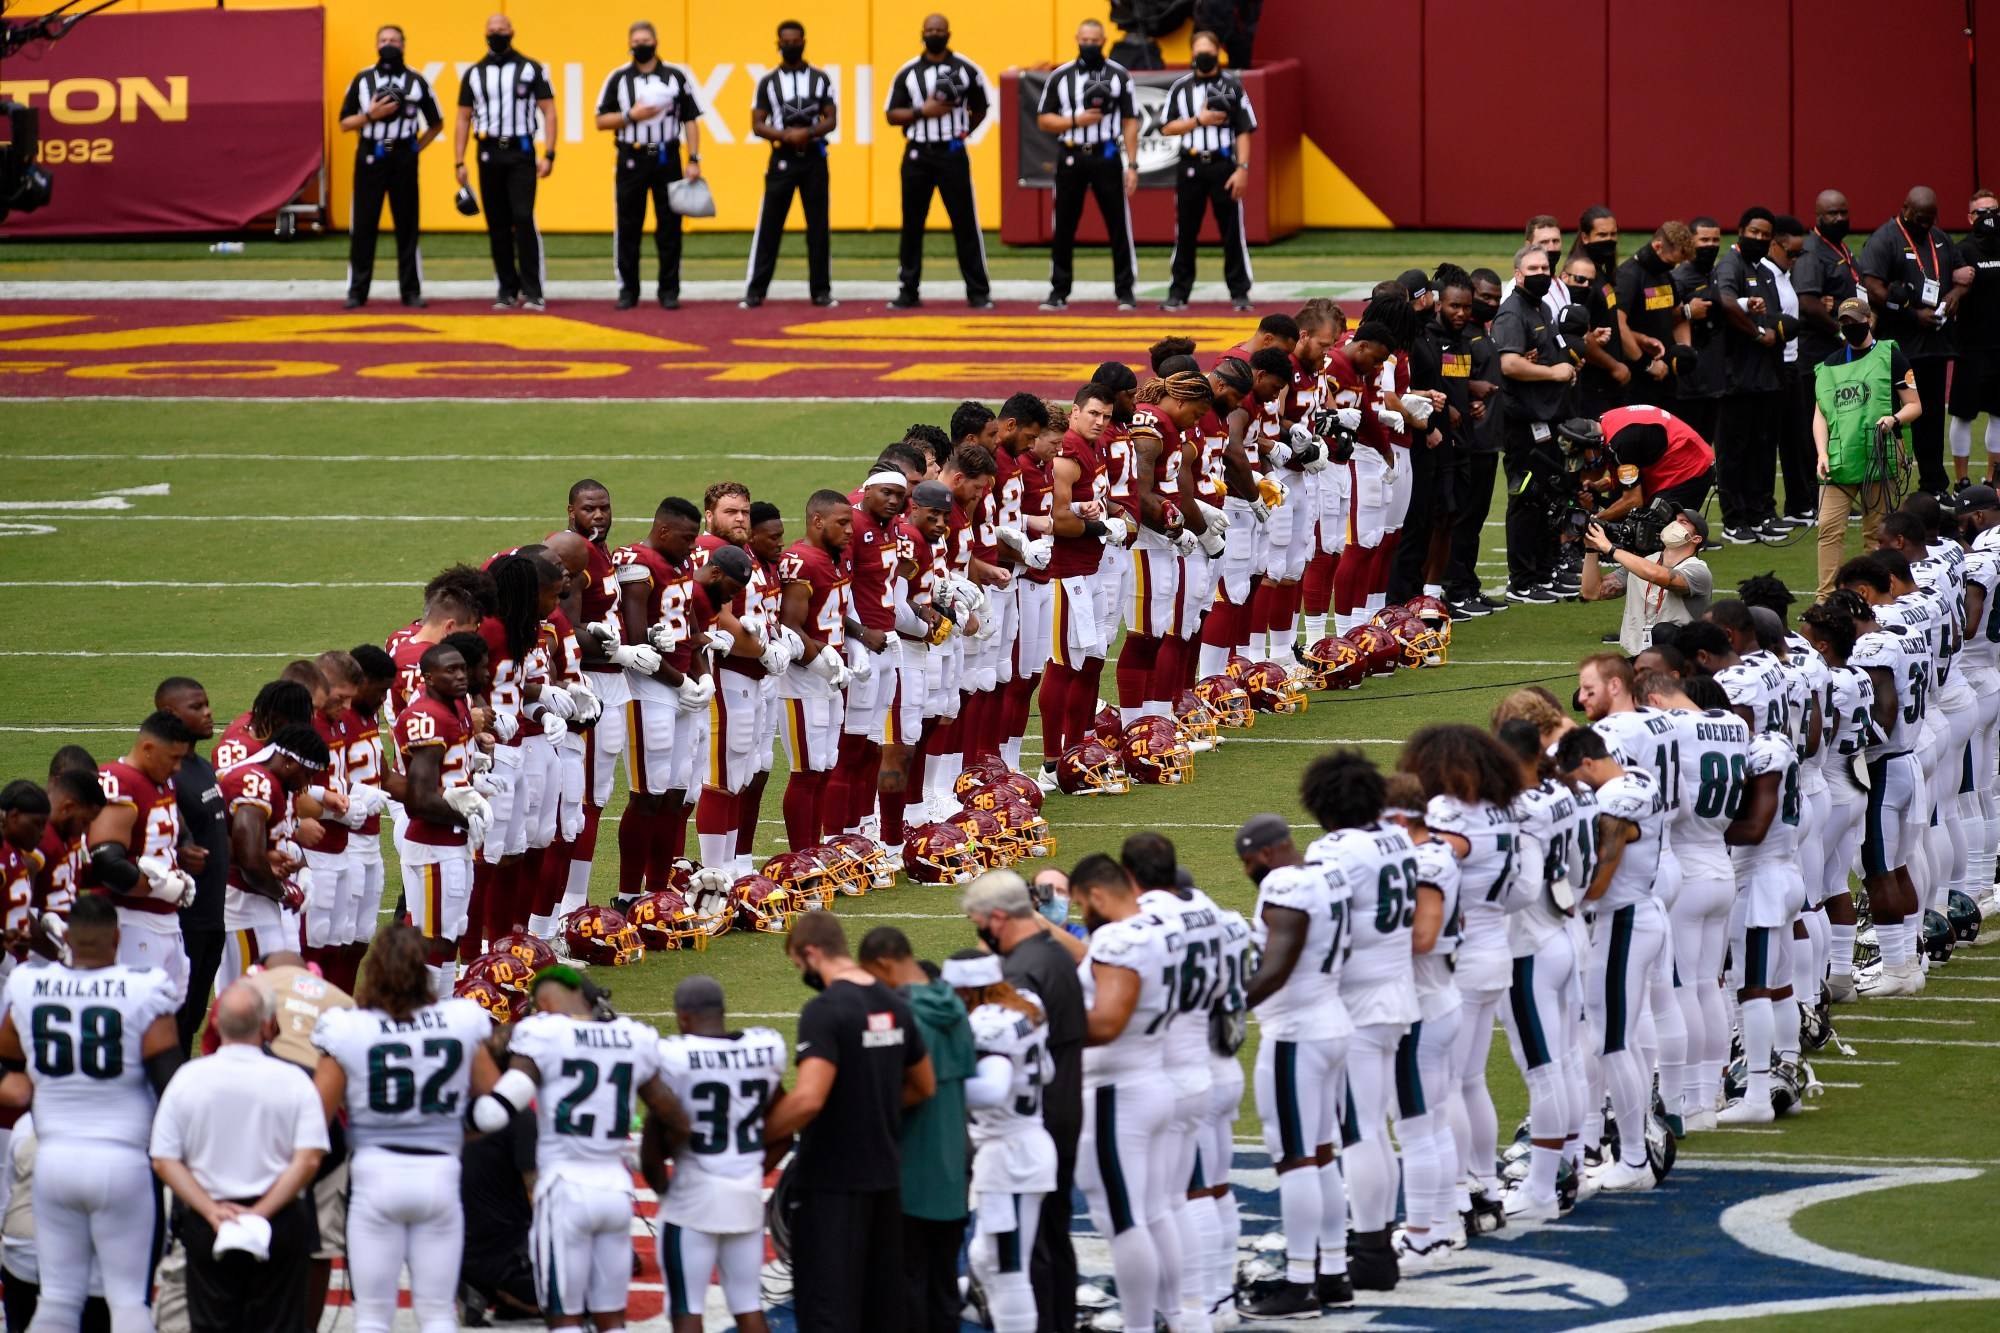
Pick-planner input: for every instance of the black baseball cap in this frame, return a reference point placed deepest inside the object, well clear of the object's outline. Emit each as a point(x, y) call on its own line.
point(1261, 831)
point(733, 561)
point(1974, 498)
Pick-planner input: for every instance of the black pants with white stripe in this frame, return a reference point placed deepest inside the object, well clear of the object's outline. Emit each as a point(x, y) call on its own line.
point(392, 176)
point(507, 196)
point(1084, 172)
point(1202, 185)
point(947, 169)
point(643, 173)
point(800, 172)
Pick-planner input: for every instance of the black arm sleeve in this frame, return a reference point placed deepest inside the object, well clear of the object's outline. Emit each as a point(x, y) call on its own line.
point(109, 862)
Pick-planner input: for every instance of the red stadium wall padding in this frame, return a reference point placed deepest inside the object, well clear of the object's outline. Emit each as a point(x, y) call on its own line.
point(1678, 100)
point(1986, 26)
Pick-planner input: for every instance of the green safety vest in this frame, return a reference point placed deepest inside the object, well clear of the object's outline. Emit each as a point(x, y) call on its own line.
point(1853, 396)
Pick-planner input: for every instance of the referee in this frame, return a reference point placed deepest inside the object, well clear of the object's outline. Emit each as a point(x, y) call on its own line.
point(794, 109)
point(939, 99)
point(383, 106)
point(1087, 103)
point(507, 99)
point(1211, 112)
point(649, 104)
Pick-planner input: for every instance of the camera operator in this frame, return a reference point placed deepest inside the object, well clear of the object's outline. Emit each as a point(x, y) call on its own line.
point(1861, 392)
point(391, 108)
point(1671, 586)
point(1538, 374)
point(939, 99)
point(1211, 113)
point(1668, 459)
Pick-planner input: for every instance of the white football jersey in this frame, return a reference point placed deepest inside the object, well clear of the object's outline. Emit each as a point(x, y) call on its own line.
point(1239, 961)
point(1439, 868)
point(1583, 844)
point(1850, 714)
point(1547, 817)
point(1755, 682)
point(1813, 680)
point(1714, 748)
point(1773, 753)
point(727, 1084)
point(591, 1076)
point(1646, 738)
point(1200, 979)
point(1024, 1044)
point(1982, 570)
point(1901, 653)
point(1308, 1006)
point(82, 1030)
point(1375, 866)
point(1484, 872)
point(1152, 947)
point(1634, 796)
point(408, 1082)
point(1937, 604)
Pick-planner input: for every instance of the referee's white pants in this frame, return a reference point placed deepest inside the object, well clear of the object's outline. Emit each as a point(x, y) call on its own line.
point(404, 1208)
point(93, 1197)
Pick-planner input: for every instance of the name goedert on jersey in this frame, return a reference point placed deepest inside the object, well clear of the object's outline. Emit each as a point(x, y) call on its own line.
point(882, 1031)
point(80, 988)
point(734, 1057)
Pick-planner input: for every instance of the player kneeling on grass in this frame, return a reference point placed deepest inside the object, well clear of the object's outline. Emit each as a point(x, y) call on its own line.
point(712, 1208)
point(582, 1073)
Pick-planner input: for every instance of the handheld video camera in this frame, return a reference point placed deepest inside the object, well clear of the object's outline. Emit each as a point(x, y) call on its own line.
point(24, 186)
point(1640, 532)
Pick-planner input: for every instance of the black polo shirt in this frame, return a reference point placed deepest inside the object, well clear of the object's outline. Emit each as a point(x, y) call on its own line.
point(870, 1036)
point(205, 823)
point(1523, 326)
point(1977, 324)
point(1442, 360)
point(1751, 368)
point(1040, 965)
point(1705, 335)
point(1823, 270)
point(1647, 296)
point(1889, 255)
point(1488, 434)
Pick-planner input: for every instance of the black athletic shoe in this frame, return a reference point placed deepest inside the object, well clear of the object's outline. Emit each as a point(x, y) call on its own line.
point(1534, 594)
point(1054, 303)
point(1281, 1300)
point(1466, 610)
point(626, 300)
point(825, 302)
point(1490, 603)
point(1371, 1264)
point(750, 303)
point(355, 303)
point(416, 302)
point(1127, 303)
point(982, 303)
point(1334, 1289)
point(906, 301)
point(669, 301)
point(1241, 303)
point(1174, 304)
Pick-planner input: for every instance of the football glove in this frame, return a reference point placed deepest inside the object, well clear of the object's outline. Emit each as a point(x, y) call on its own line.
point(1116, 530)
point(506, 725)
point(828, 667)
point(555, 699)
point(718, 640)
point(776, 657)
point(1348, 417)
point(588, 706)
point(1035, 555)
point(553, 727)
point(297, 889)
point(1419, 408)
point(476, 827)
point(1012, 538)
point(695, 694)
point(862, 669)
point(1185, 541)
point(666, 637)
point(1260, 511)
point(639, 657)
point(940, 632)
point(1280, 453)
point(1389, 420)
point(466, 803)
point(478, 760)
point(364, 803)
point(486, 783)
point(1216, 519)
point(708, 879)
point(606, 632)
point(56, 930)
point(841, 675)
point(1213, 544)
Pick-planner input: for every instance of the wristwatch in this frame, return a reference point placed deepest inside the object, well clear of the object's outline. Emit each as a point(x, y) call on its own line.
point(694, 157)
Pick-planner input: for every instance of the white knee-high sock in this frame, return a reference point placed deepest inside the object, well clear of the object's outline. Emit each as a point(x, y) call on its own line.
point(1840, 948)
point(1229, 1235)
point(1135, 1264)
point(1960, 433)
point(1759, 1039)
point(1333, 1217)
point(1299, 1207)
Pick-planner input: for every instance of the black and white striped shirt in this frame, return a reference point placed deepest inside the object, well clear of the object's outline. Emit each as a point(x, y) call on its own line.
point(915, 82)
point(502, 92)
point(626, 85)
point(420, 108)
point(1187, 98)
point(794, 97)
point(1063, 96)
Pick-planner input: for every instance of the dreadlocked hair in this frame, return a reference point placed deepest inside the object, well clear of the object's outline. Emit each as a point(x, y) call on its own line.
point(1393, 310)
point(1833, 623)
point(1452, 759)
point(519, 584)
point(1768, 591)
point(1186, 386)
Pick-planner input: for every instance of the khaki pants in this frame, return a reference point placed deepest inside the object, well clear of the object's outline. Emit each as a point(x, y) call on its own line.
point(1835, 503)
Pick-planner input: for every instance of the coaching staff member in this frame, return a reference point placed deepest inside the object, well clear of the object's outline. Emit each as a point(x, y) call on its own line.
point(1912, 276)
point(384, 106)
point(939, 99)
point(1211, 113)
point(204, 849)
point(861, 1060)
point(1087, 103)
point(648, 106)
point(794, 109)
point(507, 100)
point(1034, 958)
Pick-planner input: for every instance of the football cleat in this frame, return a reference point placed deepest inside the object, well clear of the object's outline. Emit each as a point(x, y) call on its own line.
point(529, 948)
point(1617, 1178)
point(1335, 664)
point(1155, 754)
point(504, 973)
point(1273, 689)
point(1089, 768)
point(664, 921)
point(1196, 722)
point(939, 854)
point(986, 835)
point(874, 862)
point(1225, 698)
point(498, 1004)
point(802, 875)
point(764, 905)
point(981, 772)
point(600, 935)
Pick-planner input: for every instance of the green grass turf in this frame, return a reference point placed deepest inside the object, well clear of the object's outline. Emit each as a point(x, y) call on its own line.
point(270, 482)
point(1313, 256)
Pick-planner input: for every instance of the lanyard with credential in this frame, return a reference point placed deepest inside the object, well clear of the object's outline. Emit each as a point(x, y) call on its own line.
point(1846, 256)
point(1936, 273)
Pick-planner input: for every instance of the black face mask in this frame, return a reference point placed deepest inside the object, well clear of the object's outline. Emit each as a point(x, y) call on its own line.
point(1536, 285)
point(1484, 312)
point(1649, 259)
point(812, 978)
point(1987, 222)
point(1090, 57)
point(1206, 61)
point(1578, 291)
point(391, 57)
point(792, 52)
point(1602, 253)
point(1856, 334)
point(1704, 257)
point(1833, 228)
point(499, 43)
point(989, 939)
point(643, 52)
point(1752, 248)
point(935, 44)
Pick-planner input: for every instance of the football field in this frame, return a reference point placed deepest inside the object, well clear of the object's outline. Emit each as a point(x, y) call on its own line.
point(214, 488)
